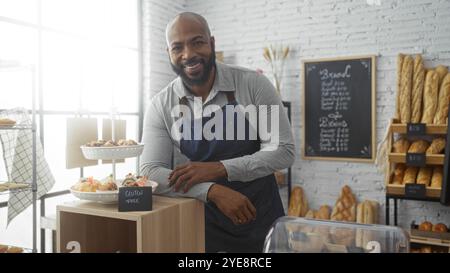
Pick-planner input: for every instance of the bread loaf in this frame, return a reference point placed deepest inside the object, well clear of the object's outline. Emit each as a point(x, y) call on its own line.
point(367, 213)
point(418, 146)
point(441, 71)
point(405, 90)
point(410, 175)
point(437, 146)
point(424, 176)
point(401, 146)
point(311, 214)
point(426, 226)
point(345, 207)
point(444, 99)
point(436, 179)
point(399, 172)
point(323, 213)
point(430, 97)
point(298, 205)
point(417, 89)
point(440, 227)
point(400, 59)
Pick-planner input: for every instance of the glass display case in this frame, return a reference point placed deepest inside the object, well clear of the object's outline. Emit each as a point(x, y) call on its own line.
point(301, 235)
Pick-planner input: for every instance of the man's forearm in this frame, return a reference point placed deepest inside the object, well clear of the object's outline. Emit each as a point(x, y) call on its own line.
point(161, 175)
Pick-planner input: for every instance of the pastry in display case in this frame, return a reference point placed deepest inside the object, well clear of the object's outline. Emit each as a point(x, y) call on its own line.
point(301, 235)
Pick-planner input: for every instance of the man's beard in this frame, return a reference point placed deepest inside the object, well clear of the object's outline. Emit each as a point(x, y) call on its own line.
point(207, 67)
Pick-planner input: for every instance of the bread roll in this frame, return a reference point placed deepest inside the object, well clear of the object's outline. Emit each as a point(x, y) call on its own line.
point(345, 207)
point(430, 97)
point(440, 228)
point(399, 172)
point(298, 205)
point(436, 179)
point(401, 146)
point(410, 175)
point(443, 101)
point(405, 90)
point(418, 146)
point(426, 226)
point(424, 176)
point(441, 71)
point(323, 213)
point(437, 146)
point(400, 59)
point(311, 214)
point(417, 89)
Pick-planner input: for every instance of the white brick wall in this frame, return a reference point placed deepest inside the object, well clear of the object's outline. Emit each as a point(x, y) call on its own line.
point(156, 15)
point(317, 29)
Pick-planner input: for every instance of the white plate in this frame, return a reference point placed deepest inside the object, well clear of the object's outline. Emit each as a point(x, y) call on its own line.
point(110, 153)
point(106, 197)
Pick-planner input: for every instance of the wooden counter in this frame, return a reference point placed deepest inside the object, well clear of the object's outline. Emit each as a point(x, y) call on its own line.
point(174, 225)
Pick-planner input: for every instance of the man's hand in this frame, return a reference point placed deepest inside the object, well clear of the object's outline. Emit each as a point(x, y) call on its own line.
point(233, 204)
point(193, 173)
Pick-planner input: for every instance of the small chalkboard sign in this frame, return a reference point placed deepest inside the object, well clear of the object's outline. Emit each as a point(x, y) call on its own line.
point(339, 109)
point(135, 199)
point(415, 159)
point(415, 190)
point(416, 129)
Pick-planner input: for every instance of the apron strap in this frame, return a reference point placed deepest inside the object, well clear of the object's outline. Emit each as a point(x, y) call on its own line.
point(230, 97)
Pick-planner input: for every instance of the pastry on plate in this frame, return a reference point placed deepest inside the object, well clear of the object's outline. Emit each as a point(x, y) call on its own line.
point(108, 185)
point(87, 185)
point(14, 249)
point(7, 122)
point(3, 248)
point(124, 142)
point(134, 181)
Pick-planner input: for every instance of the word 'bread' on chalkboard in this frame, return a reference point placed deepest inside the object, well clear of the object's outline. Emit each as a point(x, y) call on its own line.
point(135, 199)
point(339, 109)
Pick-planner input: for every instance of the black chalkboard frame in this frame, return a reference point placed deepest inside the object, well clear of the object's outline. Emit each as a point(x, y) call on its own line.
point(372, 59)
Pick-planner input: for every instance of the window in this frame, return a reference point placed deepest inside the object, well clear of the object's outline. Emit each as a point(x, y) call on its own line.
point(86, 53)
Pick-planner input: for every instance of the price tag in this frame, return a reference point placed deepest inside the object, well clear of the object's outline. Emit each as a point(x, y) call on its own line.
point(415, 159)
point(416, 129)
point(135, 199)
point(415, 190)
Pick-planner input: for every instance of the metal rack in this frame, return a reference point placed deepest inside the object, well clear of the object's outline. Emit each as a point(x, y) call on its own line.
point(287, 104)
point(14, 66)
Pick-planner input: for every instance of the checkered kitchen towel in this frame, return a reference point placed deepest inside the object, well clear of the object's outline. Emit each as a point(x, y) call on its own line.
point(17, 146)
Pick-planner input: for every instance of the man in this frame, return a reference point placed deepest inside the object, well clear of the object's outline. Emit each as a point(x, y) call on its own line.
point(234, 177)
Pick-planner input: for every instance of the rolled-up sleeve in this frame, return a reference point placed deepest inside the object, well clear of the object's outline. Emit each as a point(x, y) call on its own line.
point(157, 155)
point(271, 157)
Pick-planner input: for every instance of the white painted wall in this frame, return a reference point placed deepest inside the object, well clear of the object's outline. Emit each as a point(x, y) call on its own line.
point(317, 29)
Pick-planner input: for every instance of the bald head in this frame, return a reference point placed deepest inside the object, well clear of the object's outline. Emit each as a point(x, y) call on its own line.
point(187, 20)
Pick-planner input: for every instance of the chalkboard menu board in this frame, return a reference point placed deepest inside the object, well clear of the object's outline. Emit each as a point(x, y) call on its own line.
point(339, 109)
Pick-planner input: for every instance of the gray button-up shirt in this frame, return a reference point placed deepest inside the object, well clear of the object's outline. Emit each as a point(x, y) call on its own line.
point(250, 88)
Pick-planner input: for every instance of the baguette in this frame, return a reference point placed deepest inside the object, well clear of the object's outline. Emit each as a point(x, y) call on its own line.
point(436, 180)
point(418, 146)
point(405, 90)
point(444, 99)
point(430, 97)
point(417, 89)
point(399, 173)
point(441, 71)
point(424, 176)
point(400, 59)
point(437, 146)
point(298, 205)
point(401, 146)
point(410, 175)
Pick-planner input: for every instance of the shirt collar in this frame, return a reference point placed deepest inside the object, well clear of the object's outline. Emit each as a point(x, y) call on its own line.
point(223, 82)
